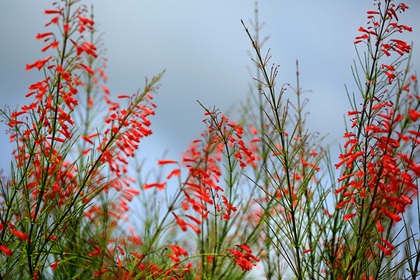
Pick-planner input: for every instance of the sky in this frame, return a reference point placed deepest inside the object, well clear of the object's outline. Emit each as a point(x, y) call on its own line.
point(204, 49)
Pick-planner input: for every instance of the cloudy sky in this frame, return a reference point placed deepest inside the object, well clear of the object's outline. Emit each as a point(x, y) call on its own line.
point(203, 47)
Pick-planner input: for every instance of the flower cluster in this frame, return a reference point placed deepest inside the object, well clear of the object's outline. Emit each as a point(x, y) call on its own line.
point(244, 260)
point(378, 168)
point(383, 23)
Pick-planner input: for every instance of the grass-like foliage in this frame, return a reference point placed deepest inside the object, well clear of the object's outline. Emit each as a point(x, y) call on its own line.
point(261, 190)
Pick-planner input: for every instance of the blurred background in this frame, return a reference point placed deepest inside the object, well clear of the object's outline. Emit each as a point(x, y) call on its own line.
point(204, 49)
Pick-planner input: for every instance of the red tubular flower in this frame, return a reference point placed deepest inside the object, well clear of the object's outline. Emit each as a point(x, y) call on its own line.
point(390, 68)
point(85, 21)
point(386, 52)
point(87, 68)
point(180, 222)
point(53, 21)
point(39, 64)
point(391, 76)
point(406, 199)
point(379, 227)
point(391, 215)
point(194, 228)
point(348, 216)
point(244, 260)
point(163, 161)
point(19, 234)
point(102, 271)
point(53, 45)
point(105, 89)
point(121, 250)
point(389, 245)
point(54, 265)
point(245, 247)
point(66, 28)
point(42, 35)
point(52, 12)
point(361, 29)
point(95, 253)
point(87, 139)
point(413, 115)
point(386, 251)
point(194, 219)
point(160, 186)
point(204, 216)
point(174, 258)
point(178, 250)
point(344, 177)
point(175, 173)
point(5, 250)
point(81, 28)
point(140, 256)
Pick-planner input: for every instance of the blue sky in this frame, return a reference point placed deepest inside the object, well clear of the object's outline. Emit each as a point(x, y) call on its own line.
point(203, 47)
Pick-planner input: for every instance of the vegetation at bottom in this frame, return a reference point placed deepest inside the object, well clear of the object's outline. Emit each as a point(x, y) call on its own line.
point(258, 196)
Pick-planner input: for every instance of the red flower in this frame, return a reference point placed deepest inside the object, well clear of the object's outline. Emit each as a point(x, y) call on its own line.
point(102, 271)
point(413, 114)
point(379, 227)
point(164, 161)
point(105, 89)
point(52, 12)
point(178, 250)
point(140, 256)
point(8, 252)
point(390, 68)
point(19, 234)
point(194, 228)
point(244, 260)
point(39, 64)
point(194, 219)
point(204, 216)
point(85, 20)
point(180, 222)
point(175, 259)
point(53, 45)
point(66, 28)
point(391, 215)
point(121, 250)
point(390, 76)
point(53, 21)
point(87, 68)
point(349, 216)
point(175, 173)
point(389, 245)
point(98, 251)
point(385, 250)
point(42, 35)
point(157, 185)
point(54, 265)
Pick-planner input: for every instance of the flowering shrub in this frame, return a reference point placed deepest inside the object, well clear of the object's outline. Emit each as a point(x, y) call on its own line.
point(248, 192)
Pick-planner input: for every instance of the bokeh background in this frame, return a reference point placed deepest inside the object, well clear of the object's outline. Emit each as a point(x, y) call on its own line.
point(204, 49)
